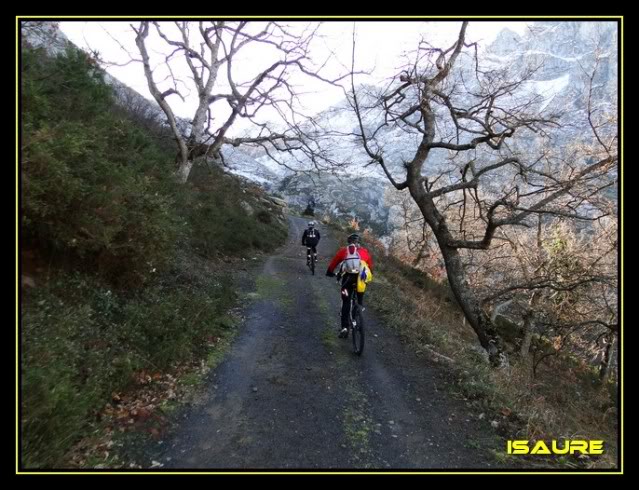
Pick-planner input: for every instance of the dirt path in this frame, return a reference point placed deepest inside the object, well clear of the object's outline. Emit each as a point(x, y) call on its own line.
point(291, 395)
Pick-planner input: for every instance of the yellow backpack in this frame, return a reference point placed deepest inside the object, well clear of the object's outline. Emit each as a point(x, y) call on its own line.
point(364, 277)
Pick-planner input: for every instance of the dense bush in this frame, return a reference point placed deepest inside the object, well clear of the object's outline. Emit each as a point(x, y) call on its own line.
point(88, 180)
point(81, 341)
point(219, 223)
point(123, 288)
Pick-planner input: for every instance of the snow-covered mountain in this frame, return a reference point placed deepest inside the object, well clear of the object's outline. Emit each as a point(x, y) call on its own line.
point(565, 54)
point(262, 171)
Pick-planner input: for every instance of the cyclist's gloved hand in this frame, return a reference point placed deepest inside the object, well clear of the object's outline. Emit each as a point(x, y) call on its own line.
point(329, 273)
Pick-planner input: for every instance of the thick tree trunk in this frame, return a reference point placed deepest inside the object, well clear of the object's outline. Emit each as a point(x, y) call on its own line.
point(529, 324)
point(469, 304)
point(185, 165)
point(455, 271)
point(528, 332)
point(606, 363)
point(183, 171)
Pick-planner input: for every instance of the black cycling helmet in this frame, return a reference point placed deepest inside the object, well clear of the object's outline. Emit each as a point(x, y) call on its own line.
point(354, 238)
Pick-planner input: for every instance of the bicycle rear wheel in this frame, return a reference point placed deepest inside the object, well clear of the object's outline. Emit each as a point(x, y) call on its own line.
point(312, 265)
point(357, 331)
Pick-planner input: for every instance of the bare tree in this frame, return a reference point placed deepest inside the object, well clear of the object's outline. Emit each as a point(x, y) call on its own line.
point(466, 118)
point(212, 53)
point(412, 240)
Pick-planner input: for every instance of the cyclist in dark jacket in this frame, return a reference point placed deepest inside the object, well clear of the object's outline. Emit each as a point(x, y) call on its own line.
point(311, 238)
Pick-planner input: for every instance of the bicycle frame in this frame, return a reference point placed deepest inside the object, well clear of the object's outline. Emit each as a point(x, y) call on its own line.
point(311, 263)
point(354, 315)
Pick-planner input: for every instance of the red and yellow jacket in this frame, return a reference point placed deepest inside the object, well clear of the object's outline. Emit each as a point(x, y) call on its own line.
point(366, 274)
point(342, 253)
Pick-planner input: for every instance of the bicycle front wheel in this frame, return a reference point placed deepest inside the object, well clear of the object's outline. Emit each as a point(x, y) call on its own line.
point(357, 332)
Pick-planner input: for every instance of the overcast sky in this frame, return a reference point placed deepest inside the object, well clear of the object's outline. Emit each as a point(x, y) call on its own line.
point(380, 45)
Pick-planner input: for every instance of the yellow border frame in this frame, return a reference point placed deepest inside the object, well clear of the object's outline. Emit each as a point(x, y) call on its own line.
point(318, 17)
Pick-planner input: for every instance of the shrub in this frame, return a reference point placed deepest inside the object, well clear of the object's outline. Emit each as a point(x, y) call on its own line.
point(81, 341)
point(219, 224)
point(126, 292)
point(87, 188)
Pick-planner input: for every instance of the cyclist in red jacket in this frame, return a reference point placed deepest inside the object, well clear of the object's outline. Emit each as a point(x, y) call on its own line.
point(348, 264)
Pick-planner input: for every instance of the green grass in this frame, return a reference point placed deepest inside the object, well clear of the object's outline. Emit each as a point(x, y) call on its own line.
point(191, 379)
point(356, 419)
point(358, 429)
point(329, 339)
point(503, 458)
point(169, 406)
point(216, 356)
point(273, 289)
point(269, 286)
point(329, 318)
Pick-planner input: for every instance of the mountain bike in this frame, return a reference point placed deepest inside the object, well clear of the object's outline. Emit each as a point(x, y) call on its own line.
point(311, 263)
point(356, 320)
